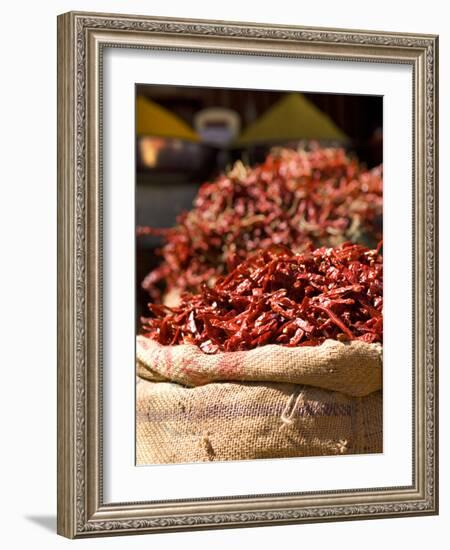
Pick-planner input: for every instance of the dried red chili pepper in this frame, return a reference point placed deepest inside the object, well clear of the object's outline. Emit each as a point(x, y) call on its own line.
point(277, 297)
point(295, 197)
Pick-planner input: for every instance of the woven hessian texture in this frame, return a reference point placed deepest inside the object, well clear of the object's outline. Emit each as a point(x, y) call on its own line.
point(353, 368)
point(270, 402)
point(250, 420)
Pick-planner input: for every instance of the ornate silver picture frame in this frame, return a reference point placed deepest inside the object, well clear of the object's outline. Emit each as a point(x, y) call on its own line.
point(82, 39)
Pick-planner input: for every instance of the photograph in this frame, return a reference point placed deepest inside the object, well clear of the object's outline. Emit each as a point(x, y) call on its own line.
point(247, 274)
point(259, 274)
point(230, 218)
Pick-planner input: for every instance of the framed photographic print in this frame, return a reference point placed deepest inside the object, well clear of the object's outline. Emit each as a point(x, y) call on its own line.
point(247, 289)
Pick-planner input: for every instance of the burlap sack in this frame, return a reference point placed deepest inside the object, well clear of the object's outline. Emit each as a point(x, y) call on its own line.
point(250, 420)
point(269, 402)
point(353, 368)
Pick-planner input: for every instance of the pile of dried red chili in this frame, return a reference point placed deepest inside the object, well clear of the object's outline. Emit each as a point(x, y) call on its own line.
point(277, 297)
point(294, 198)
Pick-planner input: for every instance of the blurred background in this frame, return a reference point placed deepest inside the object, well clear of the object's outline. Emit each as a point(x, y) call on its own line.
point(188, 135)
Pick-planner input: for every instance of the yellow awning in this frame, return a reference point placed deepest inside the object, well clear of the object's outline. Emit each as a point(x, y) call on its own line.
point(154, 120)
point(292, 118)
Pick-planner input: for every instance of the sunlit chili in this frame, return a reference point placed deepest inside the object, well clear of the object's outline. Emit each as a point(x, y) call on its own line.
point(277, 297)
point(295, 197)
